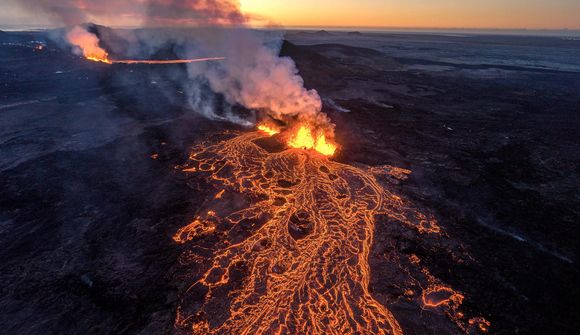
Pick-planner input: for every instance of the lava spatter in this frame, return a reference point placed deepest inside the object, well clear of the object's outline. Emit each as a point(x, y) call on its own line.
point(293, 236)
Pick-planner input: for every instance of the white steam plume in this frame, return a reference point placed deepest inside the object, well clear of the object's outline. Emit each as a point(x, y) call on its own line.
point(253, 75)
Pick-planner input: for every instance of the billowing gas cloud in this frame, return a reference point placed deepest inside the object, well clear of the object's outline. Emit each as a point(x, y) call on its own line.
point(252, 75)
point(255, 77)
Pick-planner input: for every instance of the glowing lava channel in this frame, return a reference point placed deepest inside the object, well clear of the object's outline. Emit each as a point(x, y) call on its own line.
point(176, 61)
point(106, 60)
point(291, 236)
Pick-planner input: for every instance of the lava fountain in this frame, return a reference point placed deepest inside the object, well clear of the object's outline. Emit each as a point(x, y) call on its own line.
point(304, 139)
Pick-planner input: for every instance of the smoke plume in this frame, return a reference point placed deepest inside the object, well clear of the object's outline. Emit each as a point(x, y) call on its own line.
point(86, 44)
point(253, 75)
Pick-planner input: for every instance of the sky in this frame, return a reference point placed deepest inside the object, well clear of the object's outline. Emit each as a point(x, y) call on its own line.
point(507, 14)
point(487, 14)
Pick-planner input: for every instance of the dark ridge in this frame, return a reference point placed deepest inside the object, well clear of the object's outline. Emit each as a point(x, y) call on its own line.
point(317, 70)
point(302, 54)
point(322, 33)
point(346, 50)
point(354, 33)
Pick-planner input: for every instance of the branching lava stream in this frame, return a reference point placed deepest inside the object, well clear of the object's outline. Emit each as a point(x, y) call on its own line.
point(302, 265)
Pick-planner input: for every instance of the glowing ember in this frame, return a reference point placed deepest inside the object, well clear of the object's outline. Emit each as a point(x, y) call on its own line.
point(268, 129)
point(481, 323)
point(304, 139)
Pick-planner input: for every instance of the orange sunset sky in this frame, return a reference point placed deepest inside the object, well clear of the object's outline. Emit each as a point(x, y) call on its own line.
point(532, 14)
point(492, 14)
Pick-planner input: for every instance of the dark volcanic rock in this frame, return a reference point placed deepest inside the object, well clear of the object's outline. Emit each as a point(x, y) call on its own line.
point(488, 125)
point(91, 197)
point(493, 149)
point(305, 57)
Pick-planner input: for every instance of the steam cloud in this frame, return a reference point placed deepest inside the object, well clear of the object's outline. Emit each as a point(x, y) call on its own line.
point(253, 75)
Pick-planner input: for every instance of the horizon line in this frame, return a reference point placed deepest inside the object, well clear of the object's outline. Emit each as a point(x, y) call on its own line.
point(309, 27)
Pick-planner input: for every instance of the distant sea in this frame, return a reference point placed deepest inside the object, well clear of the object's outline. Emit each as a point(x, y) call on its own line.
point(12, 27)
point(454, 32)
point(572, 33)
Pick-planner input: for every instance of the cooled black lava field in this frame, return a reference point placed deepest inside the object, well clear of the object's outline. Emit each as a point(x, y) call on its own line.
point(93, 189)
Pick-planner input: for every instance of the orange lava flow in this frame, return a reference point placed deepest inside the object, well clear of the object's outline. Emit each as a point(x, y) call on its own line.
point(296, 230)
point(150, 62)
point(175, 61)
point(100, 60)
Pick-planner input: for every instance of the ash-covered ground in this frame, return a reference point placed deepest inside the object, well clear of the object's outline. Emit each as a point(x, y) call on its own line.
point(488, 125)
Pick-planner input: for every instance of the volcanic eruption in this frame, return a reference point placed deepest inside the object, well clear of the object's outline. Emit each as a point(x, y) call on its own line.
point(299, 108)
point(310, 132)
point(301, 263)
